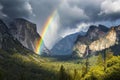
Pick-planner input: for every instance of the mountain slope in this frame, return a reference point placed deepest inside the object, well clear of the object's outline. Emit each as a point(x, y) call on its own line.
point(65, 45)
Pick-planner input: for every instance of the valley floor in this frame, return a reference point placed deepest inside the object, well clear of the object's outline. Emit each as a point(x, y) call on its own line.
point(16, 66)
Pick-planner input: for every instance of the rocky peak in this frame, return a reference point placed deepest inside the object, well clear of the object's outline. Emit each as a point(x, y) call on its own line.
point(20, 26)
point(95, 32)
point(103, 28)
point(23, 24)
point(91, 28)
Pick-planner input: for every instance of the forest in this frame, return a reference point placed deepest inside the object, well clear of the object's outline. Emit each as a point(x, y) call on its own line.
point(16, 66)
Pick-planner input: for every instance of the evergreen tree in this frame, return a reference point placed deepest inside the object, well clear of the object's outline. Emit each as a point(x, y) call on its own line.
point(62, 73)
point(100, 60)
point(107, 54)
point(87, 59)
point(75, 74)
point(87, 65)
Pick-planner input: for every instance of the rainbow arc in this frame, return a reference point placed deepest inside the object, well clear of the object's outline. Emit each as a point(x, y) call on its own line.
point(39, 44)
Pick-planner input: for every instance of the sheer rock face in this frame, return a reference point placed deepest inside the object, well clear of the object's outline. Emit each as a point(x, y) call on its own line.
point(105, 42)
point(7, 42)
point(25, 32)
point(80, 49)
point(97, 39)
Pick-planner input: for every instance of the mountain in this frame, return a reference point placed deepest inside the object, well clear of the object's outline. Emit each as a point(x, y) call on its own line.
point(65, 45)
point(26, 32)
point(98, 39)
point(7, 41)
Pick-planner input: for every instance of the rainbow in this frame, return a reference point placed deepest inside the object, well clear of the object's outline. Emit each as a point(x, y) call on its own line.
point(39, 44)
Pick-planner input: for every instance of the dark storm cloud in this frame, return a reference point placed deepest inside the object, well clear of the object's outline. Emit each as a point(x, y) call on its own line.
point(15, 8)
point(71, 12)
point(92, 11)
point(87, 11)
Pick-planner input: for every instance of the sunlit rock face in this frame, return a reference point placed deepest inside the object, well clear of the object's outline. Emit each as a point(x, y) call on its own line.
point(97, 39)
point(80, 49)
point(104, 42)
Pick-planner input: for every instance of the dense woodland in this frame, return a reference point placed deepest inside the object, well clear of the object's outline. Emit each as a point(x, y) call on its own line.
point(16, 66)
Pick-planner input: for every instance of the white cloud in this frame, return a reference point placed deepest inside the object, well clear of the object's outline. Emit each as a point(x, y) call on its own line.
point(28, 7)
point(81, 27)
point(2, 15)
point(110, 6)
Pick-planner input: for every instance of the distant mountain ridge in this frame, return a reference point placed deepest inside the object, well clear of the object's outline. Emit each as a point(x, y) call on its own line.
point(65, 45)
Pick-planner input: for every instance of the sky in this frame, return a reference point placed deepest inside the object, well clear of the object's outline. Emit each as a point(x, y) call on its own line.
point(72, 15)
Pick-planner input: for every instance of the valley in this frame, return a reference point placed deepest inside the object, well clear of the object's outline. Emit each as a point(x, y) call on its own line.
point(16, 66)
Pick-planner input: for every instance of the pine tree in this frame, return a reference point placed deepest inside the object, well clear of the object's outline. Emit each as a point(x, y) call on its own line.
point(87, 59)
point(62, 73)
point(100, 60)
point(107, 54)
